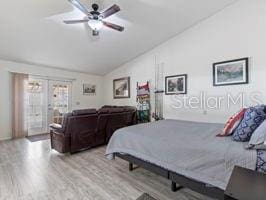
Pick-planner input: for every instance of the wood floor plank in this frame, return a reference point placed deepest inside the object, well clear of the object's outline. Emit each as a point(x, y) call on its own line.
point(30, 171)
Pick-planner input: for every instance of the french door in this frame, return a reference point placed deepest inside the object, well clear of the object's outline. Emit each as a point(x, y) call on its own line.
point(59, 101)
point(48, 102)
point(37, 106)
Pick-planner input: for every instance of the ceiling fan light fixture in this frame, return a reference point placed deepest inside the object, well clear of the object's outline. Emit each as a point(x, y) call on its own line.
point(94, 18)
point(95, 25)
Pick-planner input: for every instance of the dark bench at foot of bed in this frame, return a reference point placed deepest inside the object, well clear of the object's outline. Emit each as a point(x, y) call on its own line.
point(174, 177)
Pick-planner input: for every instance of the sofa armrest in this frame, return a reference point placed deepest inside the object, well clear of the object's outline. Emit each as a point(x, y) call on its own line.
point(56, 128)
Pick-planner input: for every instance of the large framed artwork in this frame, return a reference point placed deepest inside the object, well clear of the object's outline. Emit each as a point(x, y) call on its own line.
point(176, 84)
point(89, 89)
point(233, 72)
point(121, 88)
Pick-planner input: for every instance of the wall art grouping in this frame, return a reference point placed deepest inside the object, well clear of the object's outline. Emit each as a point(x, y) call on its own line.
point(232, 72)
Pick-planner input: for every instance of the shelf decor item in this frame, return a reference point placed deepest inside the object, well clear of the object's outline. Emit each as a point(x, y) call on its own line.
point(121, 88)
point(143, 100)
point(233, 72)
point(175, 85)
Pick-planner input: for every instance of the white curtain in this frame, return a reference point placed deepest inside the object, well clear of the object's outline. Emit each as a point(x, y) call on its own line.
point(19, 105)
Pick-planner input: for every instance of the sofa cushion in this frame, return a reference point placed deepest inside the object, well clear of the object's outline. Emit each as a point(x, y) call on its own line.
point(129, 108)
point(84, 112)
point(116, 110)
point(103, 110)
point(253, 118)
point(109, 106)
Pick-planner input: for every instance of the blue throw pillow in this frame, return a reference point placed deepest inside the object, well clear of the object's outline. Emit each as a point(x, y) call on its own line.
point(253, 118)
point(262, 106)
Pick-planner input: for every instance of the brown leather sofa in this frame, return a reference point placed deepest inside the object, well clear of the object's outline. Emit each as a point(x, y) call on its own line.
point(120, 117)
point(84, 129)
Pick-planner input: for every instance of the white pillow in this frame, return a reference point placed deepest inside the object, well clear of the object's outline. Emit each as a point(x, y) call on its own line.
point(259, 135)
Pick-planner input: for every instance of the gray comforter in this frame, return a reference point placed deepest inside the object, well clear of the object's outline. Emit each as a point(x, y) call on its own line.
point(187, 148)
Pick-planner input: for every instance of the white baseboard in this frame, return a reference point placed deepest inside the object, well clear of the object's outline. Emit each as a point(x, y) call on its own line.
point(7, 138)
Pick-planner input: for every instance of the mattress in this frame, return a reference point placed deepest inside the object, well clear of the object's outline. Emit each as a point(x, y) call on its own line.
point(187, 148)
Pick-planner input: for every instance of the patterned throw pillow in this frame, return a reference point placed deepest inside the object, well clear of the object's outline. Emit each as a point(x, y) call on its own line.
point(253, 118)
point(232, 123)
point(262, 106)
point(261, 161)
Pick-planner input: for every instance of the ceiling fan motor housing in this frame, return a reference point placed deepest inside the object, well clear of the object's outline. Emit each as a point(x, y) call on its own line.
point(95, 12)
point(95, 7)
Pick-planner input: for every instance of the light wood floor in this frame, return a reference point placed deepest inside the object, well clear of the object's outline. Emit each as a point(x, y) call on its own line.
point(33, 171)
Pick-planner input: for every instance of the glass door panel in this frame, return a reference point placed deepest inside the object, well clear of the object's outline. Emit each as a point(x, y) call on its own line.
point(37, 106)
point(59, 101)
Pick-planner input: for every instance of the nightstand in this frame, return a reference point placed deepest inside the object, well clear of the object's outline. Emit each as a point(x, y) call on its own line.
point(246, 184)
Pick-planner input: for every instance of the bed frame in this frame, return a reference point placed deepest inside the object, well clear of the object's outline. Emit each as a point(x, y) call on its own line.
point(175, 178)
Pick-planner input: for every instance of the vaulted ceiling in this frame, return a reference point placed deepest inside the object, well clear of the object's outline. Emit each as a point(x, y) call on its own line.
point(32, 31)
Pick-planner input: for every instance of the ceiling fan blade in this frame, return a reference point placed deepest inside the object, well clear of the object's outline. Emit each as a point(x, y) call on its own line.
point(113, 26)
point(79, 6)
point(76, 21)
point(110, 11)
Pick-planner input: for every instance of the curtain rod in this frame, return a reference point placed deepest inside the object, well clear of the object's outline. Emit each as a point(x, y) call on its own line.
point(53, 78)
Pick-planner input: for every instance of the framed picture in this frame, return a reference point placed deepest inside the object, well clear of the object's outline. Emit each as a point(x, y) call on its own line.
point(176, 84)
point(121, 88)
point(89, 89)
point(233, 72)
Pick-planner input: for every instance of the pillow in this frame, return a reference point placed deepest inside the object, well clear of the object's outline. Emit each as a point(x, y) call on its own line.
point(259, 135)
point(252, 120)
point(232, 123)
point(262, 106)
point(56, 126)
point(261, 161)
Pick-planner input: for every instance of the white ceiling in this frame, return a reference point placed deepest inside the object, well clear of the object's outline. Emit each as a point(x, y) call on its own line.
point(32, 31)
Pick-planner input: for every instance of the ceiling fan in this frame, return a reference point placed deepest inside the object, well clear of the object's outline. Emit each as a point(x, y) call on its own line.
point(94, 18)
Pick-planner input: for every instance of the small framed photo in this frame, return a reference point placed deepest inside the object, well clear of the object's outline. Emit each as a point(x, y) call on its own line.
point(176, 84)
point(233, 72)
point(121, 88)
point(89, 89)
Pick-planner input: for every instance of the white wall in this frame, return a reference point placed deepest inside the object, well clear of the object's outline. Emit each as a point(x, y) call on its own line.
point(235, 32)
point(77, 90)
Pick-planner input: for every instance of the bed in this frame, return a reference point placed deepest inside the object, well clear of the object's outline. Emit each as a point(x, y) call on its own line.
point(188, 153)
